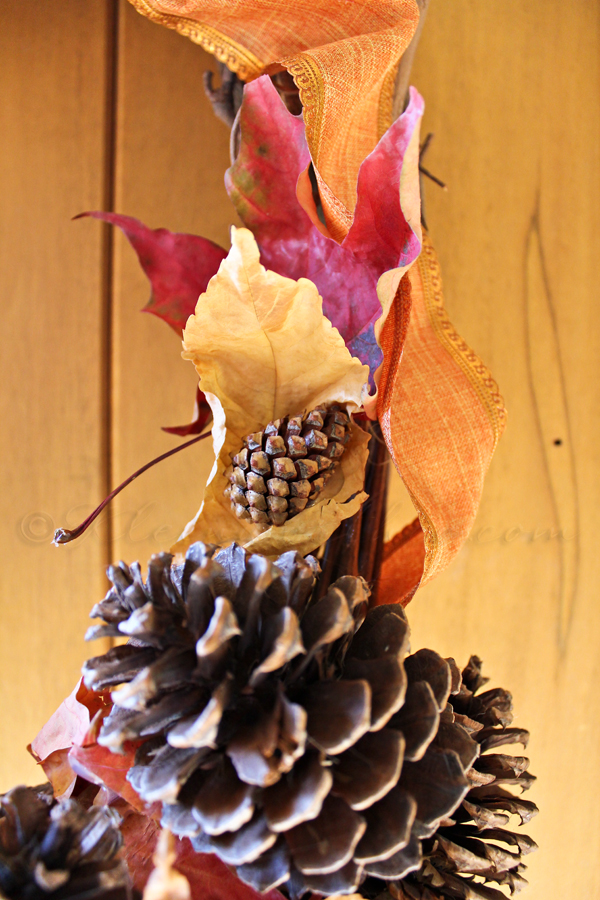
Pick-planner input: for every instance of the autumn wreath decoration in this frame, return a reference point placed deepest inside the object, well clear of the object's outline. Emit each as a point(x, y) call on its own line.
point(260, 707)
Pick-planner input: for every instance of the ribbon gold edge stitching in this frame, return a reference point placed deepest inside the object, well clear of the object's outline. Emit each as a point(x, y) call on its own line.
point(241, 61)
point(309, 81)
point(476, 371)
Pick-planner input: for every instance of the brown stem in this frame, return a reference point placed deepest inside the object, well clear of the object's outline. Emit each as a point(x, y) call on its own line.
point(374, 508)
point(226, 99)
point(341, 553)
point(65, 535)
point(356, 546)
point(379, 545)
point(425, 146)
point(347, 560)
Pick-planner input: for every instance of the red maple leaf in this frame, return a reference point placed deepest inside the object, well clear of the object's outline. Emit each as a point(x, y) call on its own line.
point(179, 267)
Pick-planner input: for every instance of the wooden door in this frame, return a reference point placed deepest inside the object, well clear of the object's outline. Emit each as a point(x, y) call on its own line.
point(102, 108)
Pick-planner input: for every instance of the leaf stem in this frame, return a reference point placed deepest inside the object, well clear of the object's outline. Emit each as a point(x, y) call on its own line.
point(65, 535)
point(373, 518)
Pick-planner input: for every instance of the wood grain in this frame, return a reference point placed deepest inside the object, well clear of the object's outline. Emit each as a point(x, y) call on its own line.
point(54, 76)
point(171, 158)
point(512, 94)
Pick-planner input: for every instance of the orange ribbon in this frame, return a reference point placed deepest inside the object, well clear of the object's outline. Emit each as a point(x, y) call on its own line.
point(441, 415)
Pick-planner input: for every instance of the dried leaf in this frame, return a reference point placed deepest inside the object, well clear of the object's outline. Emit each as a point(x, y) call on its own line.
point(165, 882)
point(207, 875)
point(200, 418)
point(99, 766)
point(178, 266)
point(263, 349)
point(66, 727)
point(267, 184)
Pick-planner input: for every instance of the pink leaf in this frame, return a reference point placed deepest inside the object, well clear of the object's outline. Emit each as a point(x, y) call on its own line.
point(179, 266)
point(262, 181)
point(66, 727)
point(272, 160)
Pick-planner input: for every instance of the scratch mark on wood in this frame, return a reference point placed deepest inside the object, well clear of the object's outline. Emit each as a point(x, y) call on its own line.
point(546, 375)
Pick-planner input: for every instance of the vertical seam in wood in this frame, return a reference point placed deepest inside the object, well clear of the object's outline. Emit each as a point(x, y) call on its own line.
point(110, 119)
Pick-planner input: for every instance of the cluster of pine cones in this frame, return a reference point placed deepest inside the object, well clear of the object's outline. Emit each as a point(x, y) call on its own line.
point(283, 469)
point(294, 735)
point(58, 850)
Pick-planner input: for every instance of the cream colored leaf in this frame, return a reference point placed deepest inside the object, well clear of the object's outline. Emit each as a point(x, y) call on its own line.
point(165, 882)
point(263, 349)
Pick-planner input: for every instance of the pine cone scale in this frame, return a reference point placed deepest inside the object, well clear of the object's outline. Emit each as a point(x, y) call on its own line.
point(327, 843)
point(339, 713)
point(418, 719)
point(170, 769)
point(270, 870)
point(387, 680)
point(427, 665)
point(389, 825)
point(438, 784)
point(299, 796)
point(343, 881)
point(224, 802)
point(399, 864)
point(238, 848)
point(370, 769)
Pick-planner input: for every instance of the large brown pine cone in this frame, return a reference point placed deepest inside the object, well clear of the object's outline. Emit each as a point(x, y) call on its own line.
point(283, 469)
point(473, 847)
point(58, 850)
point(291, 736)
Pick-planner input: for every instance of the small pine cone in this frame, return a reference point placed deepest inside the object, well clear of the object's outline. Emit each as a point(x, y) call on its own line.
point(283, 469)
point(58, 849)
point(289, 735)
point(473, 847)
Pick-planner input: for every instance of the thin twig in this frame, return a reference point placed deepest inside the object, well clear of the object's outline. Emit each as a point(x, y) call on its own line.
point(374, 508)
point(425, 145)
point(65, 535)
point(428, 174)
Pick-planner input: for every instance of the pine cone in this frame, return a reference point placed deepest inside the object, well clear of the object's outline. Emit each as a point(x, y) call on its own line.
point(465, 847)
point(289, 735)
point(283, 469)
point(58, 849)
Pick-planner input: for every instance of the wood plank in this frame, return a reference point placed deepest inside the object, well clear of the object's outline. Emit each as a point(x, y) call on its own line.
point(171, 158)
point(512, 94)
point(53, 82)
